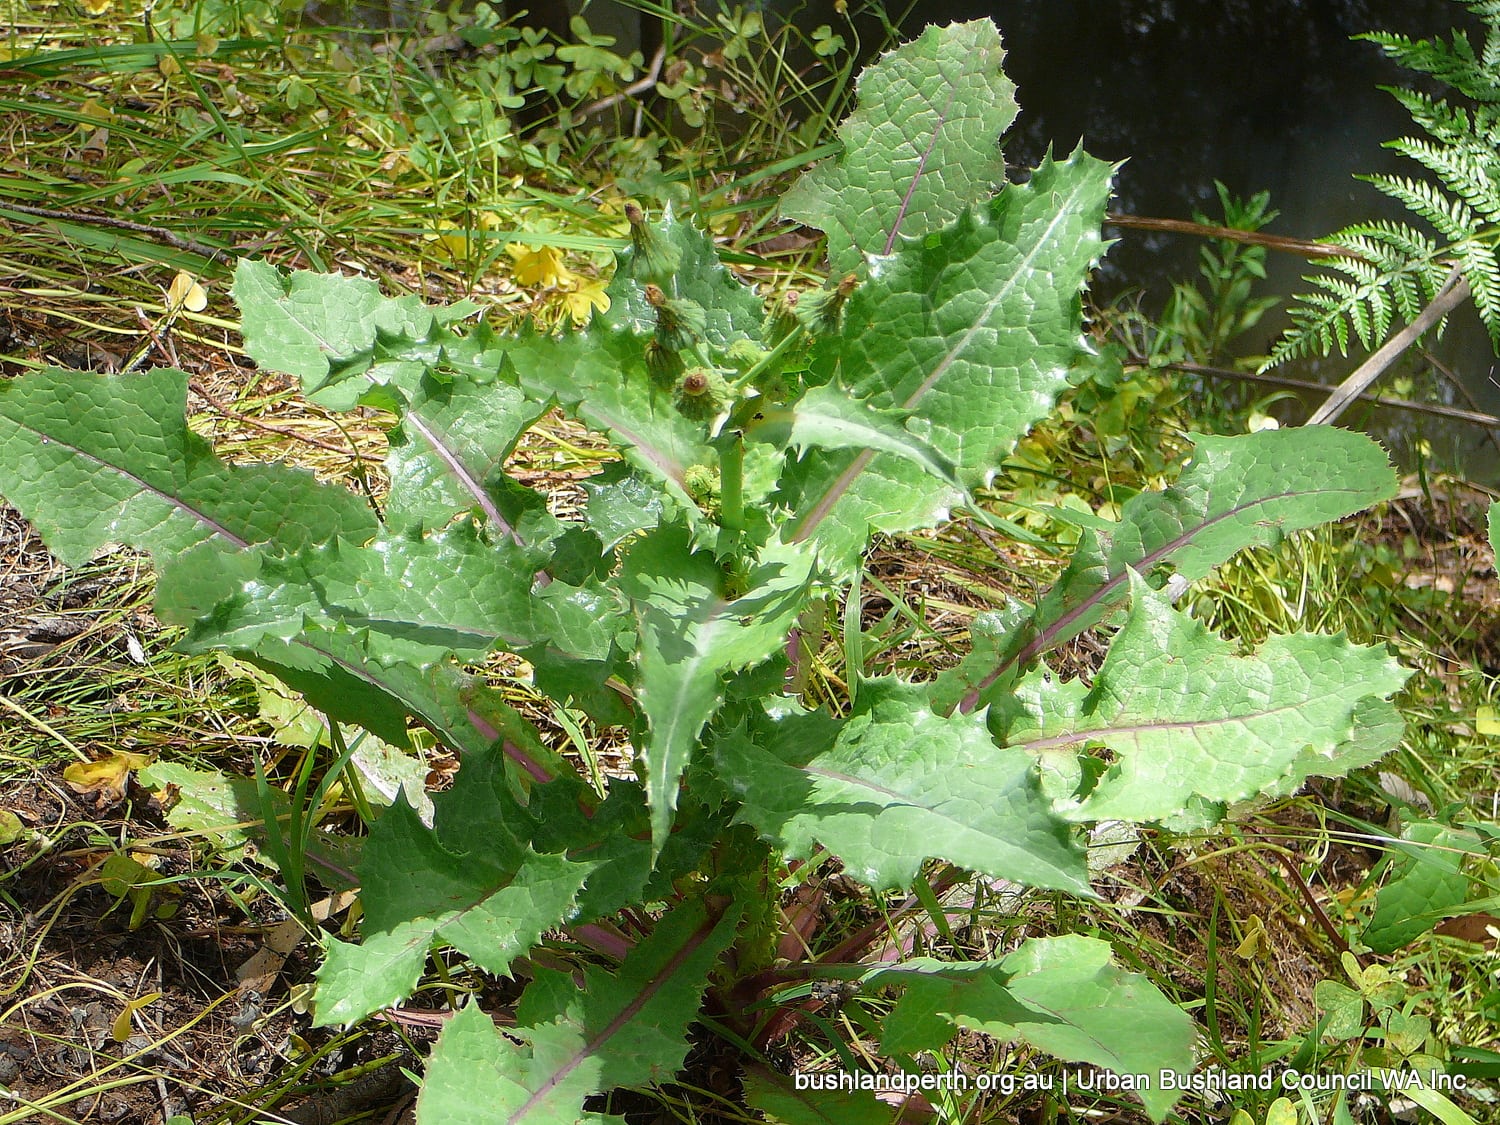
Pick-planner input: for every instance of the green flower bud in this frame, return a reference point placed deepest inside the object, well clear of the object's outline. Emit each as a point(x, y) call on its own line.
point(663, 365)
point(702, 484)
point(782, 320)
point(744, 354)
point(654, 258)
point(680, 323)
point(823, 312)
point(702, 393)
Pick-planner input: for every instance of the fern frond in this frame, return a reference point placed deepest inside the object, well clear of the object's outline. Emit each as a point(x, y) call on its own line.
point(1452, 218)
point(1467, 172)
point(1490, 13)
point(1387, 243)
point(1453, 63)
point(1436, 118)
point(1361, 304)
point(1398, 270)
point(1407, 295)
point(1482, 272)
point(1486, 126)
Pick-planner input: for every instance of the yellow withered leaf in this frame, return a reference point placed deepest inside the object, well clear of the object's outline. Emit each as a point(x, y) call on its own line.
point(95, 110)
point(1487, 721)
point(1254, 942)
point(105, 777)
point(120, 1030)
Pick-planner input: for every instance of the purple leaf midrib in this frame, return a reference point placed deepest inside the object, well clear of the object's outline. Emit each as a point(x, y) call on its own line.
point(471, 484)
point(667, 466)
point(1047, 636)
point(627, 1013)
point(1103, 734)
point(911, 188)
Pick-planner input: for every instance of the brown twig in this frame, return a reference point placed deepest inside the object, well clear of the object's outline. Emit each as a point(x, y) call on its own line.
point(638, 87)
point(191, 245)
point(1299, 246)
point(1458, 414)
point(1453, 293)
point(1315, 908)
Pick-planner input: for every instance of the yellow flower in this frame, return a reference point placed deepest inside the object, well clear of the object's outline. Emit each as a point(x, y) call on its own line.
point(452, 238)
point(581, 301)
point(539, 267)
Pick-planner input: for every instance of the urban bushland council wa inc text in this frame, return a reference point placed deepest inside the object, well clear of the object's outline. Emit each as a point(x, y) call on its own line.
point(1086, 1080)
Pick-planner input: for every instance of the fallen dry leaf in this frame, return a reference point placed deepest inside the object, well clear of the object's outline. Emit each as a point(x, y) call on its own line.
point(106, 779)
point(1479, 928)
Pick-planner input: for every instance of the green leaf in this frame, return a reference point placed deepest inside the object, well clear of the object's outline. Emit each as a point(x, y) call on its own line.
point(292, 721)
point(1187, 717)
point(228, 809)
point(471, 880)
point(624, 1029)
point(691, 634)
point(1378, 729)
point(895, 786)
point(325, 328)
point(1424, 883)
point(1439, 1105)
point(1063, 995)
point(600, 376)
point(1235, 492)
point(386, 770)
point(476, 1076)
point(209, 802)
point(11, 828)
point(336, 673)
point(613, 837)
point(350, 345)
point(1344, 1009)
point(680, 258)
point(968, 334)
point(777, 1096)
point(828, 417)
point(922, 144)
point(621, 502)
point(447, 454)
point(97, 459)
point(418, 599)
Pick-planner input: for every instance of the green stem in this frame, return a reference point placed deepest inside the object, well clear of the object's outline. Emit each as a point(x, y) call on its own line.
point(731, 483)
point(775, 355)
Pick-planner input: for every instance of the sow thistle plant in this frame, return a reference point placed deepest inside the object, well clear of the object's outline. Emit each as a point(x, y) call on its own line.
point(758, 454)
